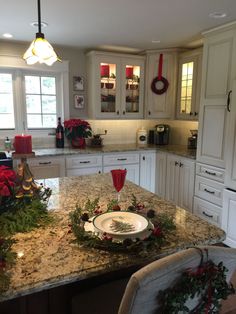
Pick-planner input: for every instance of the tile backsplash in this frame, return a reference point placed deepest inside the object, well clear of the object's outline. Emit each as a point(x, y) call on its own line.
point(125, 132)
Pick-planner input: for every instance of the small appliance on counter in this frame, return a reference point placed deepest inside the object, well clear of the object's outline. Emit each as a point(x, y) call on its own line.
point(5, 160)
point(192, 140)
point(161, 134)
point(142, 136)
point(96, 140)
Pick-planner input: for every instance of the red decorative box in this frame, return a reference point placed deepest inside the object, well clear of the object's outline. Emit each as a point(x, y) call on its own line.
point(129, 72)
point(105, 70)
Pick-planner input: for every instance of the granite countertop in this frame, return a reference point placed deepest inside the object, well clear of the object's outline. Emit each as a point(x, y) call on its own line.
point(48, 258)
point(180, 150)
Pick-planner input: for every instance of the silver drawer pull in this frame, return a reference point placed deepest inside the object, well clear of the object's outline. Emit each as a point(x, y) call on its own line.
point(121, 159)
point(208, 191)
point(209, 216)
point(210, 173)
point(45, 163)
point(84, 162)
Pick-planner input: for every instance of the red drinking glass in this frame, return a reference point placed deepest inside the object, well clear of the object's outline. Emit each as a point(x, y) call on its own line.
point(118, 177)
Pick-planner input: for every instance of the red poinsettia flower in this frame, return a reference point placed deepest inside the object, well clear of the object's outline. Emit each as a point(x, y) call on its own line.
point(77, 128)
point(7, 180)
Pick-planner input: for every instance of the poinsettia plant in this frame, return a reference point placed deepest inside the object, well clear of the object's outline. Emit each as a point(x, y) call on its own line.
point(77, 128)
point(7, 181)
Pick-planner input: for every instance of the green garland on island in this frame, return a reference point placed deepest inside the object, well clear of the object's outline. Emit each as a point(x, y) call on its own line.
point(162, 225)
point(23, 207)
point(207, 283)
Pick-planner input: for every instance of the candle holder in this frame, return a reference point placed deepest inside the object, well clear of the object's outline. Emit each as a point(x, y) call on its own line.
point(27, 185)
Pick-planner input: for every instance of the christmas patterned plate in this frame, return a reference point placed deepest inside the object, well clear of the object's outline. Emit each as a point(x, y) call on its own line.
point(120, 223)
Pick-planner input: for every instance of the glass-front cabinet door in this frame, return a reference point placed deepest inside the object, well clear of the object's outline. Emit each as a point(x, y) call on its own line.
point(132, 88)
point(108, 87)
point(189, 83)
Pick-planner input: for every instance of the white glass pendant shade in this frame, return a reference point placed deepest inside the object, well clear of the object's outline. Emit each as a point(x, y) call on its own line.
point(40, 51)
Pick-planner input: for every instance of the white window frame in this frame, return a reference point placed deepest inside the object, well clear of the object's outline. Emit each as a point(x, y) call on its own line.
point(17, 66)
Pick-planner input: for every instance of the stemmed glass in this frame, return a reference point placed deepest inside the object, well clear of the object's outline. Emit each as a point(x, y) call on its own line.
point(118, 177)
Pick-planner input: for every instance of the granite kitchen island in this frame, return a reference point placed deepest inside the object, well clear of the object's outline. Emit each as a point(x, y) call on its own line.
point(48, 258)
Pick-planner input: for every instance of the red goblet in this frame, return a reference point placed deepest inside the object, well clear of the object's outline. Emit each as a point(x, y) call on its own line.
point(118, 177)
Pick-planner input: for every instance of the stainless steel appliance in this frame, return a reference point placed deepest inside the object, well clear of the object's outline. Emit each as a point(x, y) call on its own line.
point(192, 140)
point(161, 134)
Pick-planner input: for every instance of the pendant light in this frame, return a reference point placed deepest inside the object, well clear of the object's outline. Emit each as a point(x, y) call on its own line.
point(40, 49)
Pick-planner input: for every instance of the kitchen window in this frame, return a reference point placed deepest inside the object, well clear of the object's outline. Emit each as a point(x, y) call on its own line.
point(32, 97)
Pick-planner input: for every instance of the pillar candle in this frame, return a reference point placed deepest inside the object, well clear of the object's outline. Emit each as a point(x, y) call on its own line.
point(23, 144)
point(105, 71)
point(129, 72)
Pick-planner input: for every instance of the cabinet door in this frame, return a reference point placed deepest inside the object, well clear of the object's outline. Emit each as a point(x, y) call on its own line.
point(172, 178)
point(161, 174)
point(104, 92)
point(219, 68)
point(147, 171)
point(189, 85)
point(132, 171)
point(132, 88)
point(186, 183)
point(229, 217)
point(230, 174)
point(161, 106)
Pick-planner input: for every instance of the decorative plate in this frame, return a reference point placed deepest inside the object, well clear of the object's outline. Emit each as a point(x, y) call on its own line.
point(121, 223)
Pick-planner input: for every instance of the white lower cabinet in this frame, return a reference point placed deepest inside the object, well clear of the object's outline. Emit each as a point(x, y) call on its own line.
point(128, 161)
point(180, 181)
point(148, 171)
point(161, 174)
point(207, 211)
point(229, 217)
point(83, 165)
point(47, 167)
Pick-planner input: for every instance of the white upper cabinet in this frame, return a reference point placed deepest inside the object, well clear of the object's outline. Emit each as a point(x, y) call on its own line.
point(219, 68)
point(230, 174)
point(115, 86)
point(161, 106)
point(189, 84)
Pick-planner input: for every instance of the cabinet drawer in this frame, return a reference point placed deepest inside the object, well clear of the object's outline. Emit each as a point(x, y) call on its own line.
point(210, 172)
point(209, 190)
point(83, 171)
point(207, 211)
point(83, 161)
point(121, 159)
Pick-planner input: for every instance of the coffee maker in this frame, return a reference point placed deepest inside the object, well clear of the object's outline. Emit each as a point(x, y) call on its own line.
point(161, 134)
point(192, 140)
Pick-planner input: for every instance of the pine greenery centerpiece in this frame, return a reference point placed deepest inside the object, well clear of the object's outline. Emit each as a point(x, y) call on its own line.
point(160, 226)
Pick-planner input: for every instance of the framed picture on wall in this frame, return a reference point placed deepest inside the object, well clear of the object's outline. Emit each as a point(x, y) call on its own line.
point(79, 101)
point(78, 83)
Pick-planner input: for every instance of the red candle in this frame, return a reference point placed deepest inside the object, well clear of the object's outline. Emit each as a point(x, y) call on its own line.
point(23, 144)
point(129, 72)
point(105, 71)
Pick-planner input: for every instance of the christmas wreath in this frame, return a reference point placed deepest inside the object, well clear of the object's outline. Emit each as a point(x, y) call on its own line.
point(159, 78)
point(161, 223)
point(207, 283)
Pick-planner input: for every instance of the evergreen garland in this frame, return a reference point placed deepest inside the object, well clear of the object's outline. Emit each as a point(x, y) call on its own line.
point(207, 283)
point(162, 225)
point(7, 259)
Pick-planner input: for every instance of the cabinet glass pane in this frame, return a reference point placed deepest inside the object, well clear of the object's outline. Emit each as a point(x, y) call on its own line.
point(132, 88)
point(186, 87)
point(108, 87)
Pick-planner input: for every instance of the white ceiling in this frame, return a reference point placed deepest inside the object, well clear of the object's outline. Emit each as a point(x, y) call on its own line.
point(123, 23)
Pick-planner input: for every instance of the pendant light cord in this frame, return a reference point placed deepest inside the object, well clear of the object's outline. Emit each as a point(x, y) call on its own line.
point(39, 17)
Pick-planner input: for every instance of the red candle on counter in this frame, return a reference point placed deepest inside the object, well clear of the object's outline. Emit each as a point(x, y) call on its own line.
point(23, 144)
point(105, 71)
point(129, 72)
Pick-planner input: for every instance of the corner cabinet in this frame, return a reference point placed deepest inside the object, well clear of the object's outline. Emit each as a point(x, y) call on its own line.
point(161, 106)
point(115, 85)
point(189, 84)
